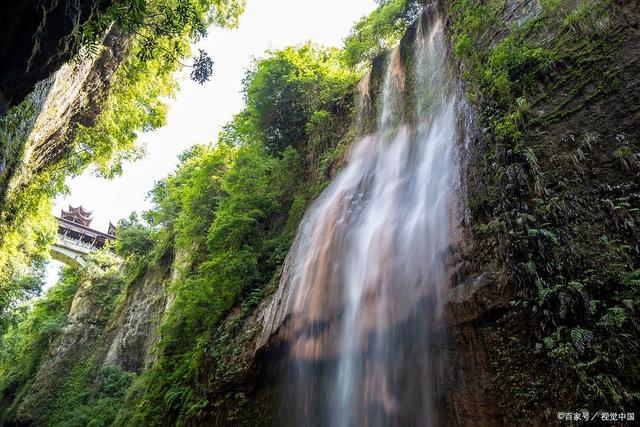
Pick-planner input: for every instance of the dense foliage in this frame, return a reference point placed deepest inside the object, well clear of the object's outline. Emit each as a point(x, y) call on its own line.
point(160, 32)
point(283, 90)
point(234, 209)
point(162, 28)
point(380, 30)
point(578, 280)
point(24, 345)
point(24, 249)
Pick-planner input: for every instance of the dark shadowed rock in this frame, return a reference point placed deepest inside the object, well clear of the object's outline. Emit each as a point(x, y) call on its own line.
point(33, 35)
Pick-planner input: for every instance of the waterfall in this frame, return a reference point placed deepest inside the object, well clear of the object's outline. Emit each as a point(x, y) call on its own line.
point(367, 269)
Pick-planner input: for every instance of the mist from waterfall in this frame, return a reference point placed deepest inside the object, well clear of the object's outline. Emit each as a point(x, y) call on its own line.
point(367, 268)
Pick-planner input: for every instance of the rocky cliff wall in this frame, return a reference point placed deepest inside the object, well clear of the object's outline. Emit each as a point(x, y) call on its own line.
point(74, 351)
point(71, 96)
point(136, 332)
point(547, 198)
point(112, 326)
point(496, 366)
point(37, 42)
point(536, 250)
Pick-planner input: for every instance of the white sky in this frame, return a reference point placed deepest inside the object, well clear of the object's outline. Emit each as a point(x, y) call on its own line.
point(199, 111)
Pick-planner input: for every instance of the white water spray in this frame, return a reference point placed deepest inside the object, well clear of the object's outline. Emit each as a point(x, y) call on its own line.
point(367, 269)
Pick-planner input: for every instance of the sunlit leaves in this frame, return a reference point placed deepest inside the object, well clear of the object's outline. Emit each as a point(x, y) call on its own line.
point(380, 30)
point(284, 89)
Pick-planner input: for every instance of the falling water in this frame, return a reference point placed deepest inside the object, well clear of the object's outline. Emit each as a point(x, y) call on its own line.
point(368, 265)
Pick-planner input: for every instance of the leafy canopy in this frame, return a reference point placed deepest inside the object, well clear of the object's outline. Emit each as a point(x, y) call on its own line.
point(380, 30)
point(163, 28)
point(283, 90)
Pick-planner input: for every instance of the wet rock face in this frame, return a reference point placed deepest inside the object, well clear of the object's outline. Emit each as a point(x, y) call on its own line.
point(32, 48)
point(496, 351)
point(137, 329)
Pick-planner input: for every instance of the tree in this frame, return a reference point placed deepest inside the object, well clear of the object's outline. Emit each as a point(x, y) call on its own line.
point(380, 30)
point(164, 28)
point(284, 89)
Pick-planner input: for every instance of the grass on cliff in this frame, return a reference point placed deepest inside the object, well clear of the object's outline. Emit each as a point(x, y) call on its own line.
point(135, 101)
point(234, 208)
point(577, 278)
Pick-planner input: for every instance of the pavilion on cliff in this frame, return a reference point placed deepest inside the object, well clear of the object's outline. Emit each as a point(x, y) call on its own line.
point(75, 224)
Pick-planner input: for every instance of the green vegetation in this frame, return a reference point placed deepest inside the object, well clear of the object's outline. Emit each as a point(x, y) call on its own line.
point(37, 332)
point(235, 209)
point(160, 32)
point(225, 219)
point(26, 341)
point(562, 247)
point(162, 28)
point(578, 283)
point(379, 31)
point(23, 250)
point(100, 404)
point(23, 259)
point(285, 89)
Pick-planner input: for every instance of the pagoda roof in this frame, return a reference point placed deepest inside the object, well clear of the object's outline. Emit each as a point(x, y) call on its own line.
point(72, 225)
point(77, 214)
point(80, 211)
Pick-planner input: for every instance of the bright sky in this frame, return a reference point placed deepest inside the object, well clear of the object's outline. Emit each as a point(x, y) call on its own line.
point(199, 111)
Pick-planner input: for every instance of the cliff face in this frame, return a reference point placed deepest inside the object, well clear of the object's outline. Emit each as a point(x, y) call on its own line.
point(136, 331)
point(34, 35)
point(545, 236)
point(71, 96)
point(111, 327)
point(552, 226)
point(554, 203)
point(78, 344)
